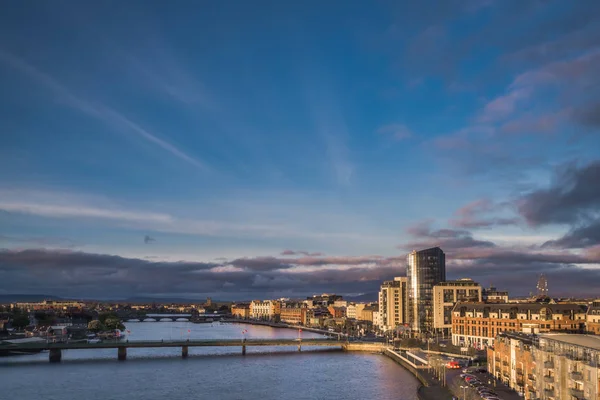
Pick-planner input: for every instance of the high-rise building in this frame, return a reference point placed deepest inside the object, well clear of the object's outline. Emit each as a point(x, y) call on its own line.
point(393, 304)
point(424, 269)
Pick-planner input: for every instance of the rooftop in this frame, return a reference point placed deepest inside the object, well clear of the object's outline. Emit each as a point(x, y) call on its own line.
point(590, 341)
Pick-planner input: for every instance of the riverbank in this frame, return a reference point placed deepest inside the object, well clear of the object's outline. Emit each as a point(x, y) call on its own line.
point(281, 325)
point(430, 388)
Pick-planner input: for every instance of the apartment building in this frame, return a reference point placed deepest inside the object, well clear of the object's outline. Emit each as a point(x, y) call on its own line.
point(267, 310)
point(294, 314)
point(493, 295)
point(353, 310)
point(548, 366)
point(393, 303)
point(446, 295)
point(241, 310)
point(477, 324)
point(592, 323)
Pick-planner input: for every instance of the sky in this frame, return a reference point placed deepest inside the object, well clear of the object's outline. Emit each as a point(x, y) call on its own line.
point(270, 149)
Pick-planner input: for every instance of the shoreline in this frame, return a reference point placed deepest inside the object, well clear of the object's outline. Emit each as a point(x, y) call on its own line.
point(280, 325)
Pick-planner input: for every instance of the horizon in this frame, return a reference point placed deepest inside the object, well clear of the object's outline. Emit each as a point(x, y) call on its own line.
point(272, 150)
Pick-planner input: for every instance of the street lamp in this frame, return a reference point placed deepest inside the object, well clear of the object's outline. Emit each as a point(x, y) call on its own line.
point(464, 388)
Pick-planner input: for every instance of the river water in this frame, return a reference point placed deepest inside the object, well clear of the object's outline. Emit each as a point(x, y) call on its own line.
point(209, 373)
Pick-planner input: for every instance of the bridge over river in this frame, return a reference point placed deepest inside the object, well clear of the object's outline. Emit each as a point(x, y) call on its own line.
point(55, 349)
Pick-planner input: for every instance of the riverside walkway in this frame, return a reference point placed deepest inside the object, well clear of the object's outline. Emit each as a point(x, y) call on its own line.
point(55, 349)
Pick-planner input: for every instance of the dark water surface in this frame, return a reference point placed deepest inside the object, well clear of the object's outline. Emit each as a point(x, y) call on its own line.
point(209, 373)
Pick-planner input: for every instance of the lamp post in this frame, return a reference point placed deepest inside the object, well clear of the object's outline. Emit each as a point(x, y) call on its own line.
point(464, 388)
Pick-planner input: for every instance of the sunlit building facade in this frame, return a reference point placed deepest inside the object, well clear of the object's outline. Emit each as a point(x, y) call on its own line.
point(393, 304)
point(424, 270)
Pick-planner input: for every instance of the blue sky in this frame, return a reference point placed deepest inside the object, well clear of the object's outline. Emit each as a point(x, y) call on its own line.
point(235, 131)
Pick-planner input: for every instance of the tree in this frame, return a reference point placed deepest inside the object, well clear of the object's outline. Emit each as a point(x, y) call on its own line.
point(113, 323)
point(19, 320)
point(96, 326)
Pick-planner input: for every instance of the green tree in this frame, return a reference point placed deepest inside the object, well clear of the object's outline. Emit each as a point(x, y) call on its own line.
point(113, 323)
point(96, 326)
point(19, 320)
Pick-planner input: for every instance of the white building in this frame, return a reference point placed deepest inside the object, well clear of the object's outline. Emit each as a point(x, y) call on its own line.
point(393, 300)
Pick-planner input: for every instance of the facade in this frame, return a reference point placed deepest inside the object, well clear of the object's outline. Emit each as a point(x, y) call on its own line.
point(337, 312)
point(492, 295)
point(592, 323)
point(367, 313)
point(424, 270)
point(393, 303)
point(324, 300)
point(294, 314)
point(49, 305)
point(446, 295)
point(477, 324)
point(548, 366)
point(376, 318)
point(353, 310)
point(240, 310)
point(511, 361)
point(267, 310)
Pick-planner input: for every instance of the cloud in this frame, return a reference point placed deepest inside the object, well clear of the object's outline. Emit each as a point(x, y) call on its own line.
point(476, 215)
point(300, 252)
point(41, 241)
point(395, 131)
point(447, 239)
point(97, 111)
point(573, 196)
point(586, 235)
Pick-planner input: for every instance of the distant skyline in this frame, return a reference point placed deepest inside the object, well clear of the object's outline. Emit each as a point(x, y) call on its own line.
point(277, 149)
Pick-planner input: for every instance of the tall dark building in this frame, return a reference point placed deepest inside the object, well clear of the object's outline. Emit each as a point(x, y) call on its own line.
point(424, 269)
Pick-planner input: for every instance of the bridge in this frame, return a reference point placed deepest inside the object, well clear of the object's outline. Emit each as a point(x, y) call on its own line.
point(149, 317)
point(55, 349)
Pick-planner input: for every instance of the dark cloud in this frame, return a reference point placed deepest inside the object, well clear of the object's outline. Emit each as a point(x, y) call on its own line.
point(477, 215)
point(41, 241)
point(579, 237)
point(573, 196)
point(261, 263)
point(588, 115)
point(300, 253)
point(447, 239)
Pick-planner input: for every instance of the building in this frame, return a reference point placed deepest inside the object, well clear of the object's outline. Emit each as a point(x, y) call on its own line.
point(492, 295)
point(294, 314)
point(63, 305)
point(367, 314)
point(567, 367)
point(592, 323)
point(510, 360)
point(548, 366)
point(337, 312)
point(393, 303)
point(266, 310)
point(324, 299)
point(446, 295)
point(376, 318)
point(241, 310)
point(477, 324)
point(424, 270)
point(353, 310)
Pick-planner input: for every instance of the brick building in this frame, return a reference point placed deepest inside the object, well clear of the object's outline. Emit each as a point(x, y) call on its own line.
point(477, 324)
point(294, 314)
point(241, 310)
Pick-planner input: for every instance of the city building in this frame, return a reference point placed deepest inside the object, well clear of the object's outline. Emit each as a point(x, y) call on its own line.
point(294, 314)
point(477, 324)
point(493, 295)
point(337, 312)
point(446, 295)
point(324, 299)
point(510, 360)
point(241, 310)
point(592, 323)
point(49, 305)
point(393, 303)
point(267, 310)
point(376, 318)
point(367, 314)
point(424, 270)
point(353, 310)
point(548, 366)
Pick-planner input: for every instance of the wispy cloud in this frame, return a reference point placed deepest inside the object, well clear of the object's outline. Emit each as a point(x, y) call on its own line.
point(395, 131)
point(98, 111)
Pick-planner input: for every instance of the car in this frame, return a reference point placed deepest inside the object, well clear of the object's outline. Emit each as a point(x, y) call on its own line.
point(481, 370)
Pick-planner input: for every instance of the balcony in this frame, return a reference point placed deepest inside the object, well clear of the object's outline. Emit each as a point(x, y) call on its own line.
point(576, 393)
point(548, 378)
point(577, 376)
point(531, 377)
point(548, 364)
point(549, 392)
point(505, 363)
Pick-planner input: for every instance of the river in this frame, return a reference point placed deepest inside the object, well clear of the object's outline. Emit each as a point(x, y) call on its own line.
point(208, 373)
